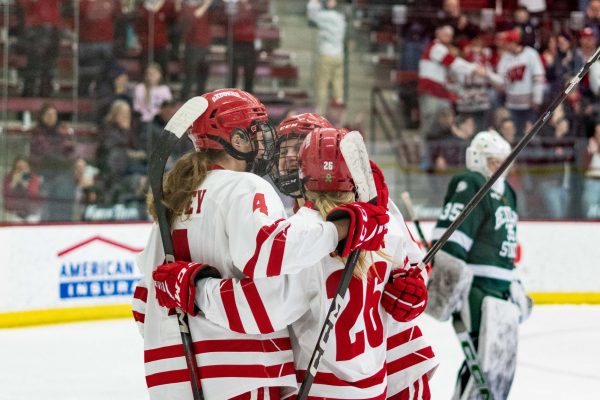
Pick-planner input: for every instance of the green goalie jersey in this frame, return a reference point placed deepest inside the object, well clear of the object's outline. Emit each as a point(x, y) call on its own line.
point(487, 238)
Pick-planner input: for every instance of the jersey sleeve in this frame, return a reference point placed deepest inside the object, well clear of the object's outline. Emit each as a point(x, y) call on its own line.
point(539, 77)
point(138, 305)
point(256, 306)
point(264, 243)
point(460, 191)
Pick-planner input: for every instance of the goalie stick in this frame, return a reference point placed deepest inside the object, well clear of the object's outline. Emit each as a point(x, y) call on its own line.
point(355, 155)
point(466, 343)
point(174, 130)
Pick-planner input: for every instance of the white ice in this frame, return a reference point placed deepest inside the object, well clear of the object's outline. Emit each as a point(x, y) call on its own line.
point(559, 358)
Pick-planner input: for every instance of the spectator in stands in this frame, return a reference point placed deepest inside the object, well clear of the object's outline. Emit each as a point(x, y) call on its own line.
point(21, 191)
point(508, 131)
point(152, 22)
point(96, 38)
point(523, 78)
point(451, 14)
point(587, 47)
point(243, 17)
point(52, 147)
point(40, 42)
point(436, 61)
point(331, 25)
point(150, 94)
point(197, 38)
point(167, 110)
point(591, 190)
point(475, 92)
point(529, 33)
point(114, 87)
point(120, 158)
point(592, 17)
point(564, 65)
point(84, 176)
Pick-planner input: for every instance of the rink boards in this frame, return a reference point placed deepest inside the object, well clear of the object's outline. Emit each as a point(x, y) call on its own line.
point(73, 272)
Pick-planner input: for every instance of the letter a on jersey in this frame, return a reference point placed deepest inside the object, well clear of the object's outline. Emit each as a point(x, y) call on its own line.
point(260, 204)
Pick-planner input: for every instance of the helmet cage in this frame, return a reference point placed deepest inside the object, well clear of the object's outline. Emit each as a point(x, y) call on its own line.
point(284, 170)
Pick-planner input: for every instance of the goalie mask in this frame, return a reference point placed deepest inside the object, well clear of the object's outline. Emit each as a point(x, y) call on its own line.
point(321, 165)
point(230, 112)
point(484, 146)
point(290, 134)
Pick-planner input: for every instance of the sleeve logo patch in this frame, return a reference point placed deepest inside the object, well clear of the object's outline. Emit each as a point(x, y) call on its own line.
point(461, 187)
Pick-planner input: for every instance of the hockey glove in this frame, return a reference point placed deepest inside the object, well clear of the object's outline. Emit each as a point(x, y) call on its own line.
point(380, 185)
point(175, 284)
point(367, 226)
point(405, 297)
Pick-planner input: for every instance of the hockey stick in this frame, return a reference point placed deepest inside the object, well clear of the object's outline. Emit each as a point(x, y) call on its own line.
point(355, 154)
point(511, 157)
point(174, 130)
point(466, 343)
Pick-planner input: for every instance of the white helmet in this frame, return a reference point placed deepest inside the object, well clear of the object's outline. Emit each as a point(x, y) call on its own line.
point(484, 145)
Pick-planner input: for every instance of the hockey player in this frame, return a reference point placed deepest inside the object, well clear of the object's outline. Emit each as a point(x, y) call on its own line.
point(233, 220)
point(481, 250)
point(355, 367)
point(410, 359)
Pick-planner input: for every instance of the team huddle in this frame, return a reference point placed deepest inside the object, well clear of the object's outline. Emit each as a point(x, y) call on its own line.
point(257, 284)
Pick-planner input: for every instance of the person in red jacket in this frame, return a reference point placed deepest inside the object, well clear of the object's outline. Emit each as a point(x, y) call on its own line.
point(197, 38)
point(41, 35)
point(152, 22)
point(96, 39)
point(244, 33)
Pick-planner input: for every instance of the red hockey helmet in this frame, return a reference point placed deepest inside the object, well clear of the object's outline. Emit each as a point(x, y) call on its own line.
point(230, 111)
point(322, 166)
point(290, 134)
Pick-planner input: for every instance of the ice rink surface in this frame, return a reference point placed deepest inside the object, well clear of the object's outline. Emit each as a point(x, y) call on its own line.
point(559, 358)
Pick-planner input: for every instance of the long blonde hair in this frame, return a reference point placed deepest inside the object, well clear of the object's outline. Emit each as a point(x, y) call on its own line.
point(327, 201)
point(180, 183)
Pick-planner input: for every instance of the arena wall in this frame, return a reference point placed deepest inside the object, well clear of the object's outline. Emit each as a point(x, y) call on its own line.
point(74, 272)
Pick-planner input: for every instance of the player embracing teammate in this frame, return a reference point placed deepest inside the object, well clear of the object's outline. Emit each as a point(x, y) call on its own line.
point(276, 272)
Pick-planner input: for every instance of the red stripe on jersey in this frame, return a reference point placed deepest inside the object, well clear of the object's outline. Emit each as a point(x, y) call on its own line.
point(215, 346)
point(405, 394)
point(139, 317)
point(262, 235)
point(410, 360)
point(448, 59)
point(327, 378)
point(257, 307)
point(222, 371)
point(426, 392)
point(141, 293)
point(404, 337)
point(261, 393)
point(416, 386)
point(181, 247)
point(231, 309)
point(378, 397)
point(276, 257)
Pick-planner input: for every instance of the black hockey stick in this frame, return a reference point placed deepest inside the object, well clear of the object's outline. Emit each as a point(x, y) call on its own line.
point(163, 147)
point(355, 154)
point(511, 157)
point(466, 343)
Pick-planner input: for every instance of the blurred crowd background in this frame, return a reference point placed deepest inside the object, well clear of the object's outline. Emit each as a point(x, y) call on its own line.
point(88, 85)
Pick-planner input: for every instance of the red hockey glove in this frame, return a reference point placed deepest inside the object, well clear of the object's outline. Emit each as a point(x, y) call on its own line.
point(367, 226)
point(175, 284)
point(405, 297)
point(382, 189)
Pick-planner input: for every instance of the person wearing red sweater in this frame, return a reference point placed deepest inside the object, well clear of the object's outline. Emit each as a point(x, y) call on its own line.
point(152, 21)
point(96, 39)
point(41, 36)
point(197, 38)
point(244, 34)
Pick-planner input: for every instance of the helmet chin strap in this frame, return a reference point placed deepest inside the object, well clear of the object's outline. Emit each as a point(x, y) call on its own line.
point(238, 155)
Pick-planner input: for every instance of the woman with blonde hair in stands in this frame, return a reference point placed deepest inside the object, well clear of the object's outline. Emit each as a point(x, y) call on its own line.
point(233, 220)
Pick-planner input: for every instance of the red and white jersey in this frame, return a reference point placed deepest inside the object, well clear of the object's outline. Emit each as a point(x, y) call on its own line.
point(409, 355)
point(523, 76)
point(364, 338)
point(235, 223)
point(434, 64)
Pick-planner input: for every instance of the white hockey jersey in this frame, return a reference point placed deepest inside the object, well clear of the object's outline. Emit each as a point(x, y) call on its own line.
point(354, 363)
point(235, 223)
point(523, 77)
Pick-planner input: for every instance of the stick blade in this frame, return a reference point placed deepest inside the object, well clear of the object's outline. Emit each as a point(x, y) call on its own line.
point(186, 115)
point(355, 154)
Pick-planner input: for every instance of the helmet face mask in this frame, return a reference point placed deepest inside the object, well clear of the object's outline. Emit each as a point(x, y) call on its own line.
point(486, 152)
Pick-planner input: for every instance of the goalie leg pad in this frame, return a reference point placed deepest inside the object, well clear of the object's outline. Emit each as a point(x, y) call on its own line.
point(498, 340)
point(449, 284)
